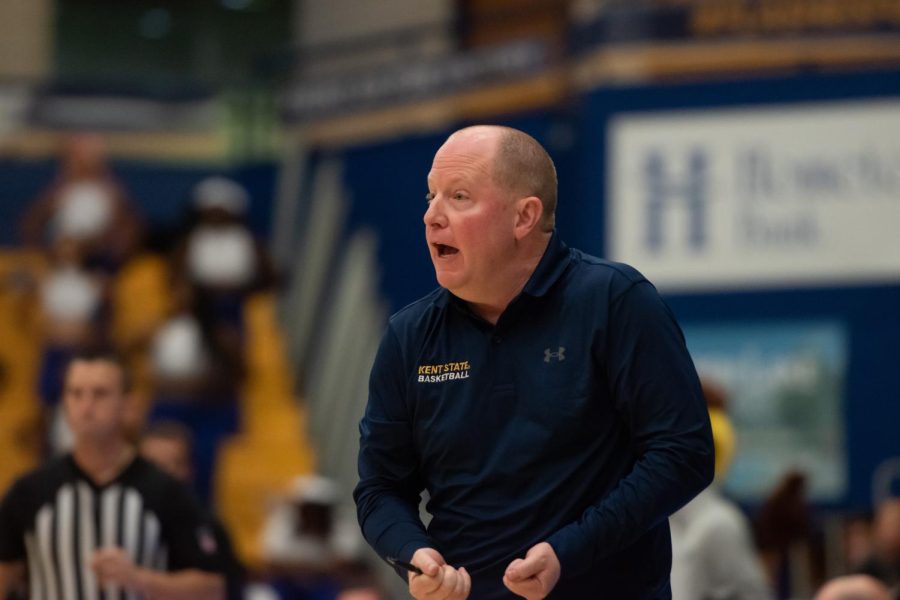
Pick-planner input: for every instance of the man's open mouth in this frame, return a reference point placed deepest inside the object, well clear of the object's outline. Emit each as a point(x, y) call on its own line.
point(444, 250)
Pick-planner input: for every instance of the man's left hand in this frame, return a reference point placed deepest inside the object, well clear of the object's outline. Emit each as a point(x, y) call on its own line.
point(114, 566)
point(534, 576)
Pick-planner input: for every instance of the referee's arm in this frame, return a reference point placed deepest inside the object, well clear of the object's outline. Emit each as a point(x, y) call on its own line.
point(189, 584)
point(113, 565)
point(10, 574)
point(12, 541)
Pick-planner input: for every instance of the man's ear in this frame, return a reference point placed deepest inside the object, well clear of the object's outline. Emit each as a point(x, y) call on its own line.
point(528, 215)
point(133, 412)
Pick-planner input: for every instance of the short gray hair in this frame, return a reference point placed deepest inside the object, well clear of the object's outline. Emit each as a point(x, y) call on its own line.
point(522, 166)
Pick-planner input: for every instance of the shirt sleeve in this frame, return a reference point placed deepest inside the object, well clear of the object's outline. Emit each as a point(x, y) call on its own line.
point(233, 569)
point(191, 534)
point(12, 524)
point(656, 390)
point(387, 495)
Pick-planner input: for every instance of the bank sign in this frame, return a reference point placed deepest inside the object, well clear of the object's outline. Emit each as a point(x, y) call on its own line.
point(726, 198)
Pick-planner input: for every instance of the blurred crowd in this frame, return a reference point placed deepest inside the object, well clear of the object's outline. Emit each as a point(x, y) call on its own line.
point(189, 352)
point(780, 548)
point(182, 332)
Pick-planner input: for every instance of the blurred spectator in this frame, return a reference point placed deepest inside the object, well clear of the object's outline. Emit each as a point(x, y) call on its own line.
point(193, 356)
point(359, 582)
point(304, 528)
point(857, 539)
point(854, 587)
point(713, 555)
point(219, 255)
point(197, 369)
point(308, 545)
point(883, 561)
point(197, 360)
point(168, 445)
point(369, 592)
point(73, 300)
point(72, 295)
point(86, 205)
point(363, 593)
point(784, 532)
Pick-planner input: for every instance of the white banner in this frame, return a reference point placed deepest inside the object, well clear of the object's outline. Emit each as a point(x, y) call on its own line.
point(724, 198)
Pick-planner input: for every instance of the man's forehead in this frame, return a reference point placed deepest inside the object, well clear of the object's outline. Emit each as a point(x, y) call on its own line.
point(91, 369)
point(475, 141)
point(477, 133)
point(93, 365)
point(464, 153)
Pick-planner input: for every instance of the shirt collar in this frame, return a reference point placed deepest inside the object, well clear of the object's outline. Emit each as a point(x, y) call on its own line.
point(131, 464)
point(550, 268)
point(554, 261)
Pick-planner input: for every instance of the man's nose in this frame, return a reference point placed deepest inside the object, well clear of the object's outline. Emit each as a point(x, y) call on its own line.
point(434, 214)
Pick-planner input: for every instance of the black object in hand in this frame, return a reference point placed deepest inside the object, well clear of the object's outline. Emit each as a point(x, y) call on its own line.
point(402, 564)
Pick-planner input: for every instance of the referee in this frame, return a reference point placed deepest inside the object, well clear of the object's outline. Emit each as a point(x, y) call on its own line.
point(101, 522)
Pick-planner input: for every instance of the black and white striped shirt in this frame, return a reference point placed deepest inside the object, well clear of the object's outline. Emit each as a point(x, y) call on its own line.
point(54, 518)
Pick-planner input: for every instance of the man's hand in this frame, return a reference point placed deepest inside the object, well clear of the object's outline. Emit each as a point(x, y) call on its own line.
point(439, 581)
point(114, 566)
point(534, 576)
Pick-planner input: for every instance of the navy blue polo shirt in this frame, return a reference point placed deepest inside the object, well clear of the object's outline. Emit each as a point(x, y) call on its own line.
point(577, 420)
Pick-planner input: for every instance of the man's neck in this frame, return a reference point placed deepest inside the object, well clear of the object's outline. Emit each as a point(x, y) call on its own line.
point(514, 283)
point(492, 311)
point(103, 461)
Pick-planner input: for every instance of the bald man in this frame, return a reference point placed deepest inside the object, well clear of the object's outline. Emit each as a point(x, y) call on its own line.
point(543, 397)
point(854, 587)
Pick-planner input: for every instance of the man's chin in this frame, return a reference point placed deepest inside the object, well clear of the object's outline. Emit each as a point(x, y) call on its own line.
point(456, 287)
point(95, 435)
point(448, 280)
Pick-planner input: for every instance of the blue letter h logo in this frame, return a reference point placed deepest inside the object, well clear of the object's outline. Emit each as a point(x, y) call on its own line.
point(661, 191)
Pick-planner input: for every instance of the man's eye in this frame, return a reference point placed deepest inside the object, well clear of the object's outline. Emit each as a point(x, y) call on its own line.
point(459, 196)
point(429, 197)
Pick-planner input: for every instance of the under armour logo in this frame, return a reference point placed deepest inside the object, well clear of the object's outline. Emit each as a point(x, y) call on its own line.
point(559, 355)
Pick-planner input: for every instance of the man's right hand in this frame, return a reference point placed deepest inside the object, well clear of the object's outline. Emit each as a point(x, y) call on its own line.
point(439, 581)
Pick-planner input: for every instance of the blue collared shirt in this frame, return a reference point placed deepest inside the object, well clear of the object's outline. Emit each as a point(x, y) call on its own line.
point(577, 420)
